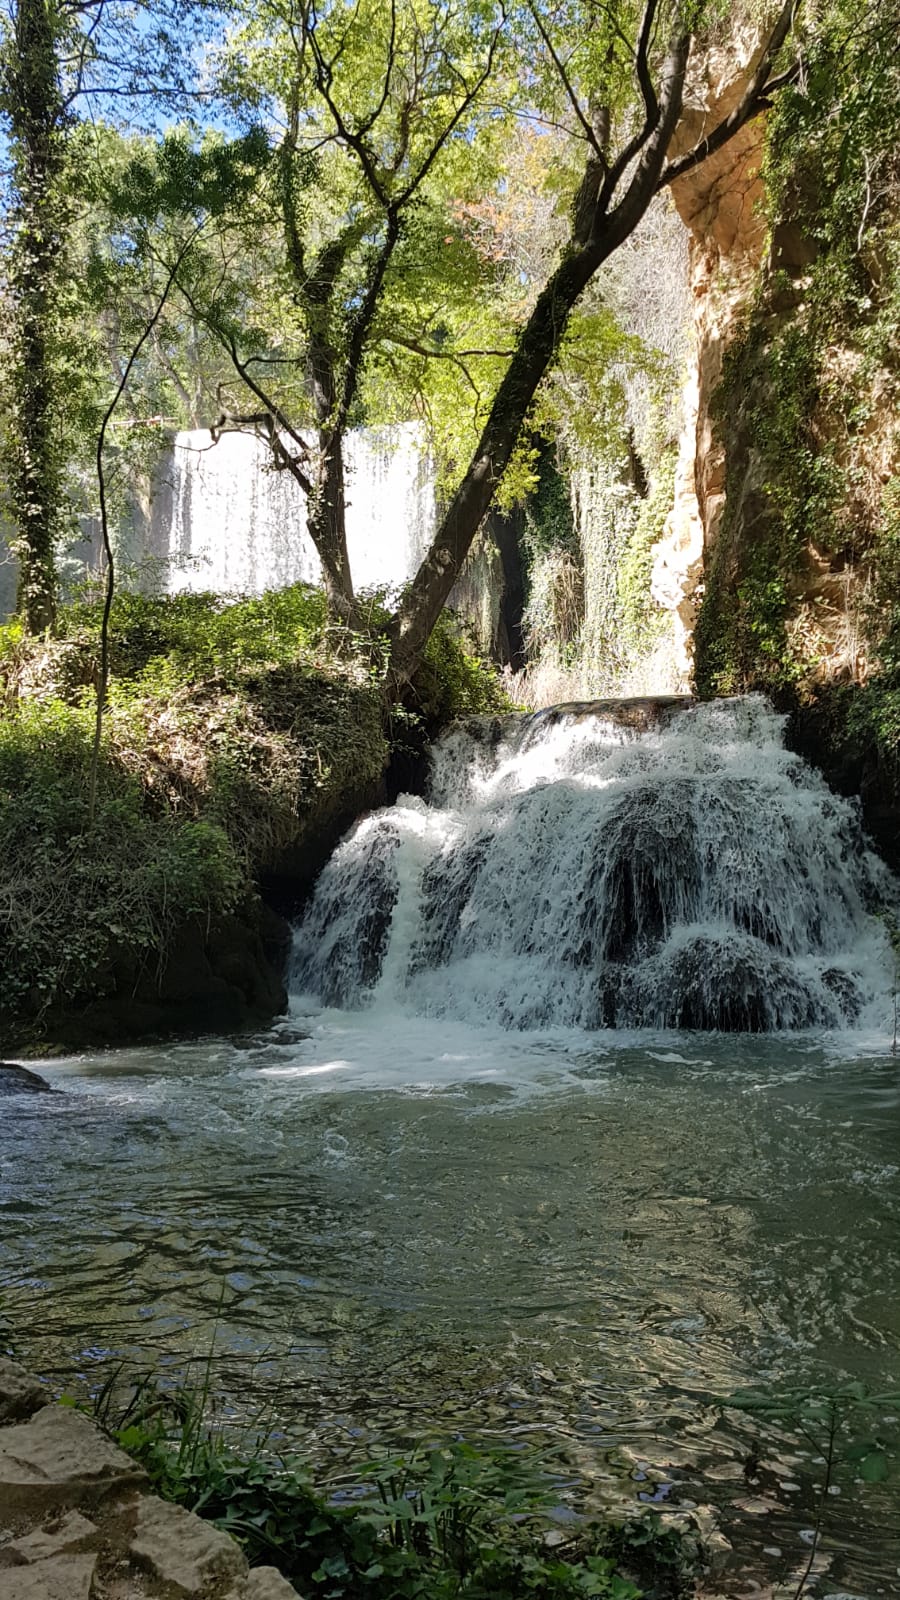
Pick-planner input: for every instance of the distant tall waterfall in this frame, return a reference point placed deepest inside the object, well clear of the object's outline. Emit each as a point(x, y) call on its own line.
point(224, 519)
point(570, 870)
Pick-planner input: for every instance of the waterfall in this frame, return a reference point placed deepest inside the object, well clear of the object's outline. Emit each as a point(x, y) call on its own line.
point(224, 519)
point(593, 869)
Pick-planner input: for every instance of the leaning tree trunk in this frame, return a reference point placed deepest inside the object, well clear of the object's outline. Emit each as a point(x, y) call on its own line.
point(599, 226)
point(538, 343)
point(36, 120)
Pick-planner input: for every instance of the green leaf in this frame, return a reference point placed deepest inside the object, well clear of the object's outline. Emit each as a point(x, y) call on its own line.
point(874, 1467)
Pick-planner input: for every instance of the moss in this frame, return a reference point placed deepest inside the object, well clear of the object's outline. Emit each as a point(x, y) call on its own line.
point(812, 381)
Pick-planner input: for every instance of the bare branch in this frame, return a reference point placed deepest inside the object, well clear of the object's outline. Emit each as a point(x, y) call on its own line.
point(564, 79)
point(755, 100)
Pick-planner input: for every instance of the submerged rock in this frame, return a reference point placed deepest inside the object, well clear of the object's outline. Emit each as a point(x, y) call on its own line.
point(20, 1080)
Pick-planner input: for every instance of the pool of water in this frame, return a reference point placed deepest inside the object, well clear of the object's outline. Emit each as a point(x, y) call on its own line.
point(384, 1230)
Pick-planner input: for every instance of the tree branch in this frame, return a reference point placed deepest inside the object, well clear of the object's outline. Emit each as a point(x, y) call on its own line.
point(651, 107)
point(103, 684)
point(564, 79)
point(467, 100)
point(283, 457)
point(755, 100)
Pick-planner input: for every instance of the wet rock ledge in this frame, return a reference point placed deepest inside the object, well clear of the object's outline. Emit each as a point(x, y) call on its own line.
point(78, 1521)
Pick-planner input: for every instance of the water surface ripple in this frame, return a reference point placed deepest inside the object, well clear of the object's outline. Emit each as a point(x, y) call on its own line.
point(392, 1230)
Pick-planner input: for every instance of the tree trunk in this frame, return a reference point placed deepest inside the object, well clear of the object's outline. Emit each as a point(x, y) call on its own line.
point(326, 522)
point(537, 345)
point(36, 119)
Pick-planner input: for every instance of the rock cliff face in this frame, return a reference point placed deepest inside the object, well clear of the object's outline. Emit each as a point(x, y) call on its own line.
point(720, 204)
point(796, 443)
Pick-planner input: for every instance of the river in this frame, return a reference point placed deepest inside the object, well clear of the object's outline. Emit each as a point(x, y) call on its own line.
point(391, 1224)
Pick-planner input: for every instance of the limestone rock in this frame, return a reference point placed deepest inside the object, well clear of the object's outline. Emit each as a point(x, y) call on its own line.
point(720, 204)
point(60, 1578)
point(69, 1531)
point(187, 1556)
point(267, 1583)
point(61, 1458)
point(20, 1394)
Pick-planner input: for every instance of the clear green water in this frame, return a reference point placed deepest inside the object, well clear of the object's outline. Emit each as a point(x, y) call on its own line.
point(392, 1230)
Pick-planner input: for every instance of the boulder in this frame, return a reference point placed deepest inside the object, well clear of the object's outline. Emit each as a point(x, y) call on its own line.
point(59, 1458)
point(186, 1556)
point(19, 1080)
point(20, 1394)
point(62, 1533)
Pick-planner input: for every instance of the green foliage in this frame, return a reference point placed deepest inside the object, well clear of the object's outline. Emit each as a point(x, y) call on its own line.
point(446, 1523)
point(642, 619)
point(815, 377)
point(200, 635)
point(549, 522)
point(183, 177)
point(452, 681)
point(71, 897)
point(847, 1425)
point(770, 390)
point(234, 732)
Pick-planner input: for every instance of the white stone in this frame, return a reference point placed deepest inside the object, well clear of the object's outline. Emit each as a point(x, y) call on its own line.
point(60, 1458)
point(182, 1552)
point(61, 1578)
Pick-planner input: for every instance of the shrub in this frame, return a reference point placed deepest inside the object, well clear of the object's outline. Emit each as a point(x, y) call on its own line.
point(447, 1523)
point(71, 894)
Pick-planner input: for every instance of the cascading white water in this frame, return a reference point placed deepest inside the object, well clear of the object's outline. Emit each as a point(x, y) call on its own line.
point(224, 520)
point(570, 871)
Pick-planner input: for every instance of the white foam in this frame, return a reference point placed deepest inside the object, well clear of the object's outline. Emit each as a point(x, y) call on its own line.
point(575, 874)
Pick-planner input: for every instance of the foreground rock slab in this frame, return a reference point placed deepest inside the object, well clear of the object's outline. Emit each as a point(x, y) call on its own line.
point(77, 1520)
point(59, 1458)
point(60, 1578)
point(186, 1555)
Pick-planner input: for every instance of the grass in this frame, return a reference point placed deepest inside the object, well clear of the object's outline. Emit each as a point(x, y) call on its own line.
point(445, 1523)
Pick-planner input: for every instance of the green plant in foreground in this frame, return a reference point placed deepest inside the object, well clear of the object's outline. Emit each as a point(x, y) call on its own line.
point(443, 1523)
point(843, 1424)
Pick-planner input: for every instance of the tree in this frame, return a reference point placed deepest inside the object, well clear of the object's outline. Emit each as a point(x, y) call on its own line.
point(614, 193)
point(393, 119)
point(386, 108)
point(37, 116)
point(55, 54)
point(354, 187)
